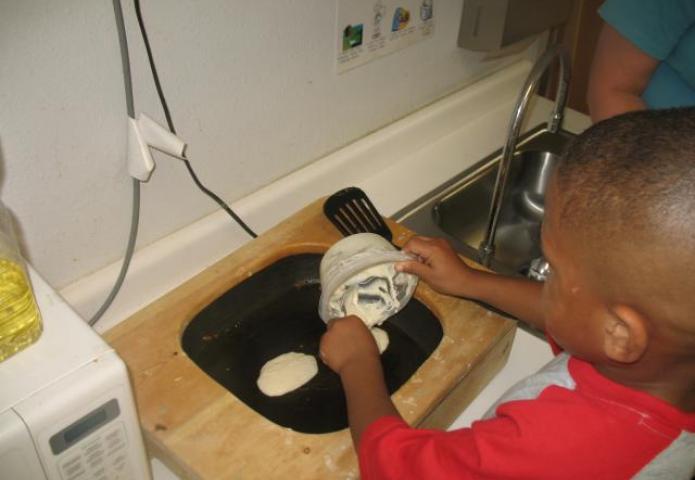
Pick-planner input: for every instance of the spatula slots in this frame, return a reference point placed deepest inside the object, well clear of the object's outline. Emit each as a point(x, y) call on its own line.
point(351, 211)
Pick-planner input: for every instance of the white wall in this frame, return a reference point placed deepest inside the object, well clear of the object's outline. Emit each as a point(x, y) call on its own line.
point(251, 85)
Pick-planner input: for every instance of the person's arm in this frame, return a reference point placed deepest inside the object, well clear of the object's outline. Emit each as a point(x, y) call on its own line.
point(366, 395)
point(620, 72)
point(518, 297)
point(349, 349)
point(440, 266)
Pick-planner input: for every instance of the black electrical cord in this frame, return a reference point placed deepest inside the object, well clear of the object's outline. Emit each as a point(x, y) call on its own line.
point(170, 123)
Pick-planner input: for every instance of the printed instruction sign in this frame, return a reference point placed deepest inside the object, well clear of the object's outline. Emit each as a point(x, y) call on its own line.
point(368, 29)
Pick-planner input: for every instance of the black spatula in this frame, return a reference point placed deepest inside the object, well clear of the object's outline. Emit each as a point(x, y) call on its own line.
point(351, 211)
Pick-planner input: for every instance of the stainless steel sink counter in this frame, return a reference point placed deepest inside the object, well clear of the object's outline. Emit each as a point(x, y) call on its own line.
point(458, 209)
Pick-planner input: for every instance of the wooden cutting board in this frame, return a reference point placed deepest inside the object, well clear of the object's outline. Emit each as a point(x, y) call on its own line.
point(201, 430)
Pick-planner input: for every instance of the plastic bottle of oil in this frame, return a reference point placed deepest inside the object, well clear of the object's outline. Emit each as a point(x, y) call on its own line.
point(20, 320)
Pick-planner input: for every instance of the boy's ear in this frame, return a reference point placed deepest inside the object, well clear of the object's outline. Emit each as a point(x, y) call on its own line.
point(625, 335)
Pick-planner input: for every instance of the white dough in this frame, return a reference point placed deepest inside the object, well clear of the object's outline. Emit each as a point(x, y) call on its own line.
point(381, 337)
point(286, 372)
point(374, 294)
point(358, 277)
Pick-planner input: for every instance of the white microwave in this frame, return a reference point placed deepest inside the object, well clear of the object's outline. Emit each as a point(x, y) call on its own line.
point(66, 405)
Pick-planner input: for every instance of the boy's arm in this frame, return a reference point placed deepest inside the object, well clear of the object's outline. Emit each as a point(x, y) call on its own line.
point(349, 349)
point(518, 297)
point(366, 395)
point(441, 267)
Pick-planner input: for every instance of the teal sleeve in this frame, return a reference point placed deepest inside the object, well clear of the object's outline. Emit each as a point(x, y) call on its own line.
point(653, 26)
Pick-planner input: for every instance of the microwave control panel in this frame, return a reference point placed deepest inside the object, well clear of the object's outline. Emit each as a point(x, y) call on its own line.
point(93, 447)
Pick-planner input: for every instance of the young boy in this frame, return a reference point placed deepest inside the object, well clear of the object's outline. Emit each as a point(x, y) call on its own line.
point(619, 401)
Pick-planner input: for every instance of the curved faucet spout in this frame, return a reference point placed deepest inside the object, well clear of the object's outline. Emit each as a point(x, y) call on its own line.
point(487, 246)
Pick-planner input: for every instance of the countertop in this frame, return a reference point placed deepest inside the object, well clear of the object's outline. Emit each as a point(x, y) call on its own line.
point(202, 430)
point(528, 354)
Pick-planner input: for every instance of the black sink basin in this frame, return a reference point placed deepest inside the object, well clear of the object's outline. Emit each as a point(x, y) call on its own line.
point(275, 311)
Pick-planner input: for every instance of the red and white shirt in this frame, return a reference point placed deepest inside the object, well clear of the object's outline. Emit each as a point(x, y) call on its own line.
point(565, 422)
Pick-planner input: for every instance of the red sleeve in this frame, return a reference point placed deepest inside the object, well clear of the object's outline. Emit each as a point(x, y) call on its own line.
point(553, 436)
point(390, 449)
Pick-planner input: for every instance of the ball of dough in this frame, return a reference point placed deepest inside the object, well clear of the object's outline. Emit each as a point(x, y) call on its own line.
point(381, 337)
point(286, 372)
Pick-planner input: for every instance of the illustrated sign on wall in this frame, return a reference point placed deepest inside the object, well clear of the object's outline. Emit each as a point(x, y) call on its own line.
point(368, 29)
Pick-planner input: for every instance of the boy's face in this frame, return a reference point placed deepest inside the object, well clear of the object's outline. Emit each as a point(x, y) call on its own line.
point(572, 310)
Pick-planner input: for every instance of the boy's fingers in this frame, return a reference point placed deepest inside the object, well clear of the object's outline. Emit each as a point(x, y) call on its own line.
point(322, 349)
point(413, 267)
point(415, 243)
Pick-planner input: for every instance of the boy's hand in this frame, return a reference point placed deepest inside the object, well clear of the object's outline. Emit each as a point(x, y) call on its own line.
point(349, 349)
point(438, 264)
point(347, 342)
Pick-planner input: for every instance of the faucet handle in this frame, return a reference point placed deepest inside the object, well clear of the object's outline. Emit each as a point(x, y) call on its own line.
point(539, 269)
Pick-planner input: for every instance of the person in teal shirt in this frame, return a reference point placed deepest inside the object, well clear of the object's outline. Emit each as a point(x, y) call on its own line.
point(645, 57)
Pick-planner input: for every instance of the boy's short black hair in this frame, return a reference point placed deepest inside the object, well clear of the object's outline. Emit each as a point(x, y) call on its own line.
point(632, 177)
point(624, 197)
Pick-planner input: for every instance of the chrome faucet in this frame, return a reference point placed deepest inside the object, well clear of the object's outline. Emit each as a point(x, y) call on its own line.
point(487, 246)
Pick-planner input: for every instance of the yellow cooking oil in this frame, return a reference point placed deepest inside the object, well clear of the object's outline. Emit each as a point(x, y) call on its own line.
point(20, 320)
